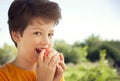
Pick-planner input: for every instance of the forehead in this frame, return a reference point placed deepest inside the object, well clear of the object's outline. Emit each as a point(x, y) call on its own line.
point(40, 21)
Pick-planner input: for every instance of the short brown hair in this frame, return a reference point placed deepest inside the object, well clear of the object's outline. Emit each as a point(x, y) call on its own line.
point(21, 13)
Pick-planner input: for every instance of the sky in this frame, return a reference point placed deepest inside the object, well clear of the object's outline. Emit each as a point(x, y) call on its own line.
point(80, 19)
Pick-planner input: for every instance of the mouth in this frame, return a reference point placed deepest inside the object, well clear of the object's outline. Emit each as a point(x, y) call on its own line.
point(38, 51)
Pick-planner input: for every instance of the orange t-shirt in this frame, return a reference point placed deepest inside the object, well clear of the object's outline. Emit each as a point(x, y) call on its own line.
point(10, 72)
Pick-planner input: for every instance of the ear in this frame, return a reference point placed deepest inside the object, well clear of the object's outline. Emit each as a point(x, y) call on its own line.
point(15, 36)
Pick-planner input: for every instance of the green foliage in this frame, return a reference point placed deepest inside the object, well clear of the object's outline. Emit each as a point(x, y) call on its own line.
point(93, 40)
point(7, 53)
point(71, 53)
point(113, 49)
point(87, 71)
point(95, 45)
point(75, 54)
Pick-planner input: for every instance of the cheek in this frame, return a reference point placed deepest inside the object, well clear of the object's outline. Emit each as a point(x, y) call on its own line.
point(29, 43)
point(50, 44)
point(33, 43)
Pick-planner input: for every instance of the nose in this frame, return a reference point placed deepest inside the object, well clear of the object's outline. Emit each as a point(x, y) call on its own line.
point(45, 40)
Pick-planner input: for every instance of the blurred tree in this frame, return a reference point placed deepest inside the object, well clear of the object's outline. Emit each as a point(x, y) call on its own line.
point(94, 43)
point(7, 53)
point(72, 53)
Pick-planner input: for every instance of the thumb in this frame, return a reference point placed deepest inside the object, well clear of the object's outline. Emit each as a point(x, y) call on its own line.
point(40, 57)
point(61, 57)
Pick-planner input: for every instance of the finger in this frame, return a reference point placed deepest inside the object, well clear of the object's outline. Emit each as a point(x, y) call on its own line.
point(61, 57)
point(54, 60)
point(50, 56)
point(40, 57)
point(63, 66)
point(59, 69)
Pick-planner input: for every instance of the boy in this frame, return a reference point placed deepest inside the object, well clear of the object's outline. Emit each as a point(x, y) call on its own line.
point(31, 25)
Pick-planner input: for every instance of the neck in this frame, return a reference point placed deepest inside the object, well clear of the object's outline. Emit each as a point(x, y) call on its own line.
point(24, 64)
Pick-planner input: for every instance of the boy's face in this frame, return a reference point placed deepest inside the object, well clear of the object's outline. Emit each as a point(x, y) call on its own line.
point(37, 35)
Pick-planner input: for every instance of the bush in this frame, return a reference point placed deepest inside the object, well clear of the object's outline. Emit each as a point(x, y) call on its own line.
point(7, 53)
point(71, 53)
point(87, 71)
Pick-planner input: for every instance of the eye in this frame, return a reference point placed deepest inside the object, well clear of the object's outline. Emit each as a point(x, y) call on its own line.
point(37, 33)
point(50, 35)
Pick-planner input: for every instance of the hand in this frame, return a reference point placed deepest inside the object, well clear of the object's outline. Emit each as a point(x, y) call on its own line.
point(46, 67)
point(60, 68)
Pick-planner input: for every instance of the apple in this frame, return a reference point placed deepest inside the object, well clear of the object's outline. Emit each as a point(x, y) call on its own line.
point(47, 51)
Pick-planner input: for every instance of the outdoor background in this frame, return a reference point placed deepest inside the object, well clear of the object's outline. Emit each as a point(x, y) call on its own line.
point(88, 35)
